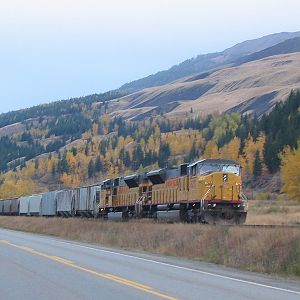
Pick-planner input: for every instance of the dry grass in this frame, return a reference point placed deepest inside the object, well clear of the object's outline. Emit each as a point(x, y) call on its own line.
point(273, 212)
point(271, 250)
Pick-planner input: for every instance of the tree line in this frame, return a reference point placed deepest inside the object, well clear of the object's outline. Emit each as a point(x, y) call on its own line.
point(105, 147)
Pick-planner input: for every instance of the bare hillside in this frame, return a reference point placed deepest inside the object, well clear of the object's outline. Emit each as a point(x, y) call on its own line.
point(205, 62)
point(251, 87)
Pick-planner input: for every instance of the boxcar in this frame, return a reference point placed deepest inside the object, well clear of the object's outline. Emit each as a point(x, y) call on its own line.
point(93, 196)
point(65, 201)
point(48, 204)
point(80, 201)
point(35, 205)
point(1, 206)
point(86, 200)
point(24, 205)
point(14, 206)
point(6, 207)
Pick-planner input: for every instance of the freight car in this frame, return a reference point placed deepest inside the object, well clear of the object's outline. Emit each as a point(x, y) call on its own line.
point(85, 201)
point(65, 203)
point(10, 207)
point(206, 191)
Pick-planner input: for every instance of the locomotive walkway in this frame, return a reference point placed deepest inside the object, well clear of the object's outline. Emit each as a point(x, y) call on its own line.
point(40, 267)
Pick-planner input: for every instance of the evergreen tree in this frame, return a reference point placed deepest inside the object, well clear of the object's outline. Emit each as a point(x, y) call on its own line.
point(86, 149)
point(271, 151)
point(193, 153)
point(127, 160)
point(53, 171)
point(122, 154)
point(63, 166)
point(257, 167)
point(91, 169)
point(163, 155)
point(98, 164)
point(74, 151)
point(103, 147)
point(138, 156)
point(36, 164)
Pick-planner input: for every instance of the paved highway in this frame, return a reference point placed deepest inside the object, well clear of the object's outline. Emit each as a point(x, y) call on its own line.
point(40, 267)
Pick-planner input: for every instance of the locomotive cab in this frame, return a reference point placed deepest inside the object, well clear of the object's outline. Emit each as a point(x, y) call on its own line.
point(217, 184)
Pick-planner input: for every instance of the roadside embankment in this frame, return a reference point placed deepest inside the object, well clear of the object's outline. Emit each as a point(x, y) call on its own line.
point(266, 250)
point(273, 212)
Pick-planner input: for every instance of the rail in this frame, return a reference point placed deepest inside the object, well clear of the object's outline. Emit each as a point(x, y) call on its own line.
point(260, 225)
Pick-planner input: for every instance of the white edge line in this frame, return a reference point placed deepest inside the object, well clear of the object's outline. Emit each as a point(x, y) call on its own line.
point(181, 268)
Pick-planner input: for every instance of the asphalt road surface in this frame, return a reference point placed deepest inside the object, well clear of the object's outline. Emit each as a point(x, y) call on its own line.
point(40, 267)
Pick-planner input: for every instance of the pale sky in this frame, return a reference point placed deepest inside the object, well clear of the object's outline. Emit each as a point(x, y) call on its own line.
point(57, 49)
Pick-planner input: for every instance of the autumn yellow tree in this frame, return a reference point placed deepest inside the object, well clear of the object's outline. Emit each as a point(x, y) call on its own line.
point(211, 150)
point(231, 150)
point(14, 186)
point(290, 166)
point(250, 149)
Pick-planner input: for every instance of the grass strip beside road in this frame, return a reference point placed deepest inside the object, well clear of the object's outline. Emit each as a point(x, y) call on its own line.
point(265, 250)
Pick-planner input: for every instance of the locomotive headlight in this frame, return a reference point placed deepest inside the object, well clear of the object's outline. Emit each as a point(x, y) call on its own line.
point(102, 209)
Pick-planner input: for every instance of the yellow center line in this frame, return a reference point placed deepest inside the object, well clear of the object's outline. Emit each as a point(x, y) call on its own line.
point(129, 281)
point(62, 260)
point(110, 277)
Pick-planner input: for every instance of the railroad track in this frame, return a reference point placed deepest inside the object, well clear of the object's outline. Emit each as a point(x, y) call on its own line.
point(235, 225)
point(264, 226)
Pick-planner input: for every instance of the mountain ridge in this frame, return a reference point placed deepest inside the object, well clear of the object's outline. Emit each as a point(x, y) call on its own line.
point(285, 47)
point(205, 62)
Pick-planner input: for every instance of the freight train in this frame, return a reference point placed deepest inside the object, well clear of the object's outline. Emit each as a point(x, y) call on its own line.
point(206, 191)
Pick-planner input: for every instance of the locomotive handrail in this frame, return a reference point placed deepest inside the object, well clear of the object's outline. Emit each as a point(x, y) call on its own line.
point(243, 196)
point(245, 200)
point(139, 204)
point(203, 198)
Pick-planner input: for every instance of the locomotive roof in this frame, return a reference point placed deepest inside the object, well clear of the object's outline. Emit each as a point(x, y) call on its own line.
point(133, 176)
point(90, 185)
point(215, 161)
point(15, 198)
point(156, 171)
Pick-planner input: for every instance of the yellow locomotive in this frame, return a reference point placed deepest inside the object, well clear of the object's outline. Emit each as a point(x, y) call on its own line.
point(207, 191)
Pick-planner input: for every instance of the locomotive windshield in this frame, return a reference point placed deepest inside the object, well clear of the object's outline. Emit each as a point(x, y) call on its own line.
point(214, 167)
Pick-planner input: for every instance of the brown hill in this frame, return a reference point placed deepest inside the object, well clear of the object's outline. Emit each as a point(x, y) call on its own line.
point(252, 87)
